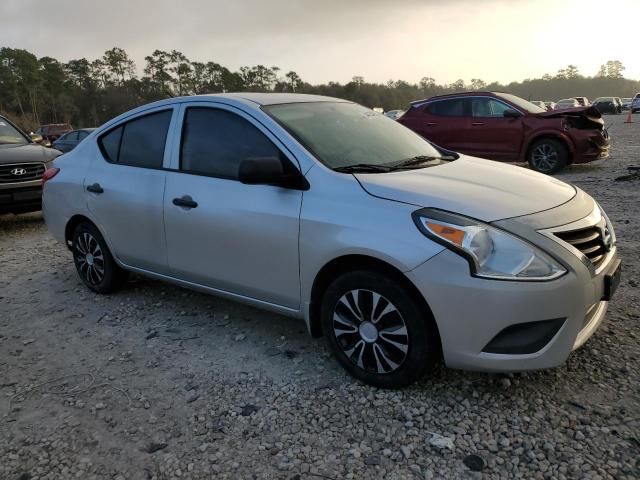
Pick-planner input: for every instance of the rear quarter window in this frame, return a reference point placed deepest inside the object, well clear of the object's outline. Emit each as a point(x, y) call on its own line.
point(139, 142)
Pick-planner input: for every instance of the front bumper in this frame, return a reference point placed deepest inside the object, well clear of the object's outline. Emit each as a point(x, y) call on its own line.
point(590, 145)
point(21, 198)
point(470, 312)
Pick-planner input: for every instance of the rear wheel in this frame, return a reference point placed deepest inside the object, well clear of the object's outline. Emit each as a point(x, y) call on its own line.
point(377, 330)
point(548, 156)
point(94, 262)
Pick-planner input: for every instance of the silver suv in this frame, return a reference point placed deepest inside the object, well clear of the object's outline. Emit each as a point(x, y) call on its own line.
point(398, 251)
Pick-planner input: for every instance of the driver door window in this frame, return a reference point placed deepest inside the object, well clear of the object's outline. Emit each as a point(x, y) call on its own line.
point(215, 142)
point(488, 108)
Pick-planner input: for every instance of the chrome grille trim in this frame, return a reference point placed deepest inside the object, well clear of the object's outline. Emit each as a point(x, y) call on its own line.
point(586, 238)
point(33, 171)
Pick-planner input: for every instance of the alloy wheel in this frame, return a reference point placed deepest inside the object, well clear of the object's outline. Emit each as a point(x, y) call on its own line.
point(89, 258)
point(545, 157)
point(370, 331)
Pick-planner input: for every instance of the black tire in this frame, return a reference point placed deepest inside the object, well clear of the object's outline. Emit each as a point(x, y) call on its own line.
point(93, 260)
point(547, 155)
point(364, 348)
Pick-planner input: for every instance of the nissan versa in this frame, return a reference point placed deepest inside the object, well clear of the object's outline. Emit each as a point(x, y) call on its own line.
point(397, 251)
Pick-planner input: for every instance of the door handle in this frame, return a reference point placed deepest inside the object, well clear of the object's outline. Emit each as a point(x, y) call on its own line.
point(95, 188)
point(432, 124)
point(185, 201)
point(477, 124)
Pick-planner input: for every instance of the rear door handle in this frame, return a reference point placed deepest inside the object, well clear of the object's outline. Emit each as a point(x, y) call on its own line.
point(432, 124)
point(477, 124)
point(185, 201)
point(95, 188)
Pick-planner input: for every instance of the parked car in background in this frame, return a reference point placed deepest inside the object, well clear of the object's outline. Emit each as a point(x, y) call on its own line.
point(51, 132)
point(550, 106)
point(618, 101)
point(626, 103)
point(501, 126)
point(635, 103)
point(539, 103)
point(400, 254)
point(583, 101)
point(566, 103)
point(607, 105)
point(394, 114)
point(68, 141)
point(23, 162)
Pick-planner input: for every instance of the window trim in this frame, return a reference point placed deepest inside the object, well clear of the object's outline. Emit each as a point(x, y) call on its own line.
point(122, 124)
point(230, 109)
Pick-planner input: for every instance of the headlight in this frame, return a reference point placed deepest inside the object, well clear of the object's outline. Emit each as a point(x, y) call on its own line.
point(492, 253)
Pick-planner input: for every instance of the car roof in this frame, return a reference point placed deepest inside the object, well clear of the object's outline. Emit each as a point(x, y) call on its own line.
point(262, 98)
point(455, 95)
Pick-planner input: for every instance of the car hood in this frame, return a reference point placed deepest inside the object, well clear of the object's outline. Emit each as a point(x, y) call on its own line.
point(590, 111)
point(25, 153)
point(474, 187)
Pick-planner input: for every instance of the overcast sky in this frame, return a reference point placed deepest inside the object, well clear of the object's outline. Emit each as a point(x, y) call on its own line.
point(327, 40)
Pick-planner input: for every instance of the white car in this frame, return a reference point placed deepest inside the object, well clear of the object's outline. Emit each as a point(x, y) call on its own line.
point(635, 103)
point(394, 114)
point(399, 252)
point(566, 103)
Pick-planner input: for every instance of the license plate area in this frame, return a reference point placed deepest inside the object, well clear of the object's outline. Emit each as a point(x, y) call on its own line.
point(612, 280)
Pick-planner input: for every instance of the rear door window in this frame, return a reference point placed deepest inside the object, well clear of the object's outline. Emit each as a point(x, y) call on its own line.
point(139, 142)
point(447, 108)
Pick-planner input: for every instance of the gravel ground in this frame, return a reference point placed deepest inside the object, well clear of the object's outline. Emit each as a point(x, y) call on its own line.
point(157, 382)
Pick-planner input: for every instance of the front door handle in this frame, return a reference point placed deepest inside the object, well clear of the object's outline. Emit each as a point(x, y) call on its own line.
point(185, 201)
point(477, 124)
point(432, 124)
point(95, 188)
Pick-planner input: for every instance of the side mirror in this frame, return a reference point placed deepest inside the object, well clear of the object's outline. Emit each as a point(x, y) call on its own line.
point(261, 171)
point(36, 138)
point(510, 113)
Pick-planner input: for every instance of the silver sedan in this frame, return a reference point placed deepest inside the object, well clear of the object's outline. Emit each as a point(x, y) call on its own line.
point(399, 252)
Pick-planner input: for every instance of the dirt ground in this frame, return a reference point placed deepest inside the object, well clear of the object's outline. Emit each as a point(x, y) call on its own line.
point(161, 382)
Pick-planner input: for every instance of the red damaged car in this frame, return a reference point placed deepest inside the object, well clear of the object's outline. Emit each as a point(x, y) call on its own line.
point(501, 126)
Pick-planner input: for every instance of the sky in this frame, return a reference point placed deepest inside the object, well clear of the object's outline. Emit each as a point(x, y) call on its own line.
point(334, 40)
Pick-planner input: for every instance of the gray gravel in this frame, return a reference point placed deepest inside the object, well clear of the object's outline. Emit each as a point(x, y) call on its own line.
point(157, 382)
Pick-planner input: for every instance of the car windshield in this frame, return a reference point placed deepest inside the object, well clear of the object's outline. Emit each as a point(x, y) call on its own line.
point(346, 134)
point(9, 134)
point(521, 103)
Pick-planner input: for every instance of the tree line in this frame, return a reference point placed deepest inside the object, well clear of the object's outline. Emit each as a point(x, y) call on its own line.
point(84, 92)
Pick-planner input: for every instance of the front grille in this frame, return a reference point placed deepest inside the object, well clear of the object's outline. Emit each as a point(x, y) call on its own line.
point(21, 172)
point(588, 240)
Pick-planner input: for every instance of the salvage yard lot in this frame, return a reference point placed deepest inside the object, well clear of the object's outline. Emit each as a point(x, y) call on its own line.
point(161, 382)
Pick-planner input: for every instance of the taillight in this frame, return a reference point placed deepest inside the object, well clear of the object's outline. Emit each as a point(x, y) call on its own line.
point(49, 173)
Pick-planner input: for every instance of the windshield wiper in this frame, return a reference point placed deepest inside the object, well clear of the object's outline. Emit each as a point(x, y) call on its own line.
point(417, 160)
point(363, 168)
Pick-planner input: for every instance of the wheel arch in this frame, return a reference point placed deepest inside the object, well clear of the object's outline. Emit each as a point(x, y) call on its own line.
point(554, 136)
point(346, 263)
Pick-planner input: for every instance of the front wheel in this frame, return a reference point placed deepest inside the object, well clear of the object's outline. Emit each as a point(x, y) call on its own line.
point(94, 262)
point(377, 330)
point(548, 156)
